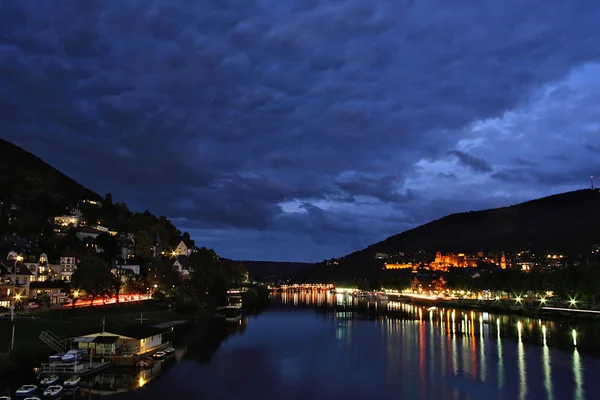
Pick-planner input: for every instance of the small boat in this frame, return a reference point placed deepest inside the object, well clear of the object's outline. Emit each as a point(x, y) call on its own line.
point(72, 381)
point(49, 380)
point(72, 356)
point(145, 363)
point(26, 389)
point(4, 397)
point(32, 398)
point(56, 358)
point(230, 313)
point(53, 391)
point(169, 351)
point(160, 355)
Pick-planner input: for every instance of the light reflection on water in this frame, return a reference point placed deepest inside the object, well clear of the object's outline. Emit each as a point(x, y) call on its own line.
point(456, 343)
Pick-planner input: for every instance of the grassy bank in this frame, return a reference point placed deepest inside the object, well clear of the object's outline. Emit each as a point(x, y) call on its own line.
point(67, 323)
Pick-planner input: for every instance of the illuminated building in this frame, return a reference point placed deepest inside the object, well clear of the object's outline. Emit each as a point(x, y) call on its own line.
point(447, 260)
point(399, 266)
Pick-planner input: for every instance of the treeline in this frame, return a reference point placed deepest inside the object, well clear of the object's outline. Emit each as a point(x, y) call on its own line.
point(209, 279)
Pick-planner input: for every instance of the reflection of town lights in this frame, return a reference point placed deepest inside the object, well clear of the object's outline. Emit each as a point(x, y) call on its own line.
point(574, 333)
point(141, 381)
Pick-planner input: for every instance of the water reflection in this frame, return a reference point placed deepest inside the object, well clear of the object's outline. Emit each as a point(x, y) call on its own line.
point(455, 344)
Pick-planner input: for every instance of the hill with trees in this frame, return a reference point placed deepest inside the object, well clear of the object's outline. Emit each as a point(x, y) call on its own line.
point(566, 223)
point(32, 192)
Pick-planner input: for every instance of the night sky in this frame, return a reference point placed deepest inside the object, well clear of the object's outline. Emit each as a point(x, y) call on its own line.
point(305, 129)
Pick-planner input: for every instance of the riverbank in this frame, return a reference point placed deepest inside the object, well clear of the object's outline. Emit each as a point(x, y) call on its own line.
point(67, 323)
point(526, 308)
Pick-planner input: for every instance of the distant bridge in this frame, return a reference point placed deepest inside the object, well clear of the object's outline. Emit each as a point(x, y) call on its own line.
point(303, 286)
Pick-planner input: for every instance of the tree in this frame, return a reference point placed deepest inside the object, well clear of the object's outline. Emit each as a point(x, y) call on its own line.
point(207, 278)
point(162, 275)
point(94, 277)
point(143, 245)
point(108, 243)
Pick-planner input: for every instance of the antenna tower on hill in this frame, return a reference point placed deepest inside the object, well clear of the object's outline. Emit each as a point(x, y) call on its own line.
point(592, 181)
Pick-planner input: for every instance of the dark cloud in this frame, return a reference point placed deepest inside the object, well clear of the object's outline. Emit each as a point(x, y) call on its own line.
point(475, 163)
point(227, 115)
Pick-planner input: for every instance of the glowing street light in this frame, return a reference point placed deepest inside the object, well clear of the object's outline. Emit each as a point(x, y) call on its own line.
point(518, 298)
point(17, 297)
point(572, 302)
point(543, 300)
point(76, 293)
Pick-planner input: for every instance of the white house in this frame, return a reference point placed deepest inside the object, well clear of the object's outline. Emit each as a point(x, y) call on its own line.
point(181, 265)
point(86, 232)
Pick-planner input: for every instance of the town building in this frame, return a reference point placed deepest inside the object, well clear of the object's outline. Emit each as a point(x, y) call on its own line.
point(182, 250)
point(14, 274)
point(181, 265)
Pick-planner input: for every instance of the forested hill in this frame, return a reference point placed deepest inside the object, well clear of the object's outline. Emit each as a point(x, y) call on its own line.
point(38, 189)
point(563, 222)
point(33, 192)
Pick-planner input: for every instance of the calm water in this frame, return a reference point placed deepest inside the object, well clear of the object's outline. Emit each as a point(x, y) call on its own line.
point(298, 351)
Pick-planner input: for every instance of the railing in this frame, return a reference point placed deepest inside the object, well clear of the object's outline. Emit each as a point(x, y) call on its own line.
point(62, 368)
point(53, 341)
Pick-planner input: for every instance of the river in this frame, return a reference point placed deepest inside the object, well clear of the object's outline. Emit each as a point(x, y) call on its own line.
point(315, 345)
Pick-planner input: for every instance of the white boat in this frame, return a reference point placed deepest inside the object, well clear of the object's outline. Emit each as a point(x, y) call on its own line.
point(72, 356)
point(32, 398)
point(53, 391)
point(56, 358)
point(49, 380)
point(160, 355)
point(230, 313)
point(26, 389)
point(4, 397)
point(169, 351)
point(72, 381)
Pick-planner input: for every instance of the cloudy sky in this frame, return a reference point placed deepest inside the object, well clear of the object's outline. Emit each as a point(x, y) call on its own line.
point(306, 129)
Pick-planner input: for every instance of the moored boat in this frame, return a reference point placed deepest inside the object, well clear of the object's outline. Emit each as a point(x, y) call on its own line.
point(229, 313)
point(49, 380)
point(145, 363)
point(26, 389)
point(32, 398)
point(56, 358)
point(169, 351)
point(4, 397)
point(72, 381)
point(160, 355)
point(53, 391)
point(72, 356)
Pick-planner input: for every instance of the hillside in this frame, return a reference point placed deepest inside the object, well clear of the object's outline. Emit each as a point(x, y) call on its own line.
point(567, 222)
point(562, 222)
point(32, 192)
point(35, 187)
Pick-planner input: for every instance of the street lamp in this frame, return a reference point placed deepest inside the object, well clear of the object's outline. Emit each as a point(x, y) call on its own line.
point(76, 293)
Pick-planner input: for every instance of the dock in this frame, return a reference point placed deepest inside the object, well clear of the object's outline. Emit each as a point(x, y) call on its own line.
point(80, 369)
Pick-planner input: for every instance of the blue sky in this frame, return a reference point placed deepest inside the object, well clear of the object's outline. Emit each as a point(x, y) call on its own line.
point(304, 130)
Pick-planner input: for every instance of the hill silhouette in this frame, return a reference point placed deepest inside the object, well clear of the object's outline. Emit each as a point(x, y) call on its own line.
point(562, 222)
point(38, 189)
point(566, 222)
point(32, 192)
